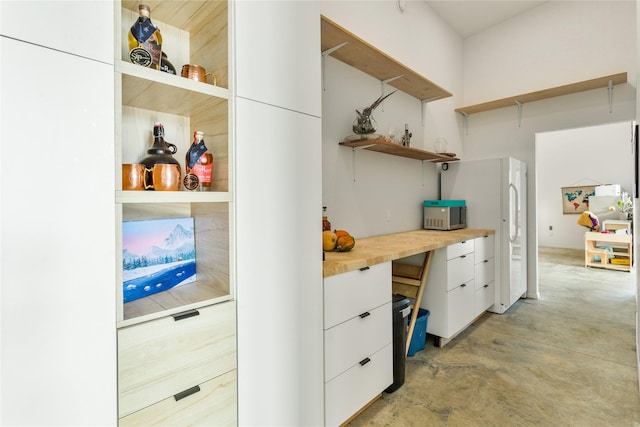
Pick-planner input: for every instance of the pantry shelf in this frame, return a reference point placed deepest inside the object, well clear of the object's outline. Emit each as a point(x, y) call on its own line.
point(597, 83)
point(386, 146)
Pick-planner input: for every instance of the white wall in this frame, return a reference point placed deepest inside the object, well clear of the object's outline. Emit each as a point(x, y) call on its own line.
point(556, 43)
point(388, 191)
point(586, 156)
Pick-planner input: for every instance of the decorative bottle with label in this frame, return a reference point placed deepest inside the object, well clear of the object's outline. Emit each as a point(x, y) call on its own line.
point(326, 225)
point(199, 164)
point(145, 40)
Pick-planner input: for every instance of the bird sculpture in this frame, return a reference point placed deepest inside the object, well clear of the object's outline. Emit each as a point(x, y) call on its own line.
point(364, 123)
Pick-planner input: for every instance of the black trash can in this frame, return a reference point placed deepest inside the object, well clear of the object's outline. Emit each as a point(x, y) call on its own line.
point(400, 310)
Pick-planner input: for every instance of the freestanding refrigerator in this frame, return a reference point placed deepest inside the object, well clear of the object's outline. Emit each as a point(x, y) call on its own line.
point(496, 198)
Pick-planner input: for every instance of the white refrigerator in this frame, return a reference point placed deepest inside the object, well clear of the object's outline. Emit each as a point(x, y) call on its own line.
point(495, 191)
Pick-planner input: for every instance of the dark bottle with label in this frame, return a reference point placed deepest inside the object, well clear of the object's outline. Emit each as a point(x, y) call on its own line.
point(326, 225)
point(161, 178)
point(145, 40)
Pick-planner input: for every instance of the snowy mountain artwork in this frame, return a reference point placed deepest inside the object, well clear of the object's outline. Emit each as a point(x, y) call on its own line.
point(157, 255)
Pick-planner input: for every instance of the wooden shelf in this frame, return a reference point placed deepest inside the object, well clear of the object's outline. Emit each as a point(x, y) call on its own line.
point(597, 83)
point(384, 145)
point(605, 246)
point(366, 58)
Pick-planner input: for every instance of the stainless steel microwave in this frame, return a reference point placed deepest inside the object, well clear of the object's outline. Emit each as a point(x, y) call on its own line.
point(444, 216)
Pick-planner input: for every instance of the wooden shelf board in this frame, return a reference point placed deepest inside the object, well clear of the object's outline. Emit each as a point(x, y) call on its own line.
point(365, 57)
point(596, 83)
point(384, 145)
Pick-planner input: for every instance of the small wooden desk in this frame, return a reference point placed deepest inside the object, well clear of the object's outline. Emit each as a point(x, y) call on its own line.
point(620, 258)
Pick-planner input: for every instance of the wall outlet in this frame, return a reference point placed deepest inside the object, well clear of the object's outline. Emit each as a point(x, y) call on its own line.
point(387, 216)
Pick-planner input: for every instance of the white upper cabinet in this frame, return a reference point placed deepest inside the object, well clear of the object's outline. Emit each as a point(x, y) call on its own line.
point(84, 28)
point(278, 53)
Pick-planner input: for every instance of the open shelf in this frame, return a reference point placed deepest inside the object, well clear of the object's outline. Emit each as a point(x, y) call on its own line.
point(600, 82)
point(386, 146)
point(368, 59)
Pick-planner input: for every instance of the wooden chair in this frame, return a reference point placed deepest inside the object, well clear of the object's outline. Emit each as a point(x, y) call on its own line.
point(409, 280)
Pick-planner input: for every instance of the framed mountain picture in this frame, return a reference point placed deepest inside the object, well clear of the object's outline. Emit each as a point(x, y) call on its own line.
point(157, 255)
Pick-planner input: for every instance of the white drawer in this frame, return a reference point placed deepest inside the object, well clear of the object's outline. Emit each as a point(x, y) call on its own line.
point(459, 270)
point(457, 249)
point(460, 306)
point(163, 357)
point(484, 272)
point(350, 342)
point(348, 393)
point(210, 403)
point(483, 248)
point(349, 294)
point(484, 298)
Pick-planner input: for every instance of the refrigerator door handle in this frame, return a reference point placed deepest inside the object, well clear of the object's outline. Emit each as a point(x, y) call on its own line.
point(513, 238)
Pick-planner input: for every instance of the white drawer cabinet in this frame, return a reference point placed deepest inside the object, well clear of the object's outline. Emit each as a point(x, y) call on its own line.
point(459, 286)
point(484, 273)
point(167, 356)
point(358, 339)
point(349, 392)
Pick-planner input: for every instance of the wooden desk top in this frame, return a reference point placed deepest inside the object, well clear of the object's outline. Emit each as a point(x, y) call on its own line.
point(388, 247)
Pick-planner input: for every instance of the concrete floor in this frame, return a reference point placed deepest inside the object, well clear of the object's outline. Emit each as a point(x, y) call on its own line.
point(567, 359)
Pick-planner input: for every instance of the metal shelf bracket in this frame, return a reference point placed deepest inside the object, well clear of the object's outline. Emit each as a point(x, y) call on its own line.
point(324, 57)
point(353, 157)
point(382, 85)
point(519, 106)
point(610, 89)
point(465, 122)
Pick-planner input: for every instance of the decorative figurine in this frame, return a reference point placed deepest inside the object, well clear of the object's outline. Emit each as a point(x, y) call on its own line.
point(364, 123)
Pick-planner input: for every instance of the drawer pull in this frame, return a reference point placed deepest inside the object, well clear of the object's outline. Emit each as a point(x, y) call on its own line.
point(365, 314)
point(188, 392)
point(365, 361)
point(364, 268)
point(185, 315)
point(463, 242)
point(486, 286)
point(463, 256)
point(463, 285)
point(486, 260)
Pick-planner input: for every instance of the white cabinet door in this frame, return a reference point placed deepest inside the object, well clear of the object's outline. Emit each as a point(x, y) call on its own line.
point(84, 28)
point(279, 265)
point(278, 54)
point(57, 227)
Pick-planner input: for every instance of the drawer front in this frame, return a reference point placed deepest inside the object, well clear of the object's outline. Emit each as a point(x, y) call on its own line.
point(484, 298)
point(350, 342)
point(163, 357)
point(348, 393)
point(211, 403)
point(484, 272)
point(349, 294)
point(460, 304)
point(483, 248)
point(457, 249)
point(459, 270)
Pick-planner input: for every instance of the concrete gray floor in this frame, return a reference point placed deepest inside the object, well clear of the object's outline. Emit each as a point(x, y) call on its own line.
point(567, 359)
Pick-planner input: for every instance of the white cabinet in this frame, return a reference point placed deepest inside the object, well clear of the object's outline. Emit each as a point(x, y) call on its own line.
point(57, 227)
point(484, 258)
point(278, 58)
point(460, 286)
point(83, 28)
point(358, 340)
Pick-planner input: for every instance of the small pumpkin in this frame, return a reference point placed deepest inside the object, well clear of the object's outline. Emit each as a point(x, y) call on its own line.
point(341, 233)
point(345, 243)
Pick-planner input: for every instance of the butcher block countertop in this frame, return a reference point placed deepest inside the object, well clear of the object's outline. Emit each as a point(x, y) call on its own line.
point(388, 247)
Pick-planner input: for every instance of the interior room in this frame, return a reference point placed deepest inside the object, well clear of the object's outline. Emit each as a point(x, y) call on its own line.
point(256, 336)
